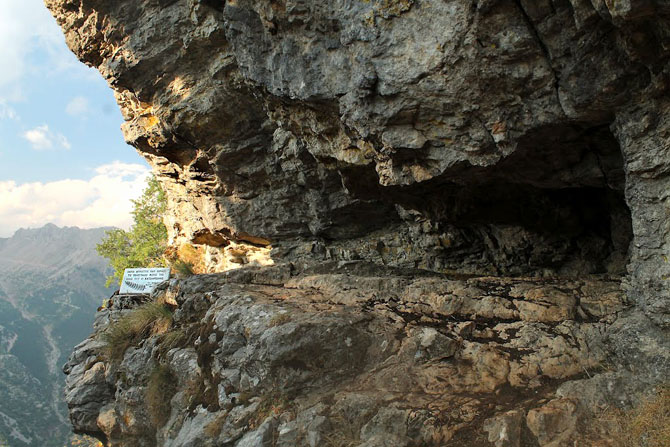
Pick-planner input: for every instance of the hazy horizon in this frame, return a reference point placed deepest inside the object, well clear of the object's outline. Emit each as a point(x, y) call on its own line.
point(60, 227)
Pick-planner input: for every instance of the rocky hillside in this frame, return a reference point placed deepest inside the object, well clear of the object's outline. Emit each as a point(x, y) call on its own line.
point(51, 282)
point(513, 151)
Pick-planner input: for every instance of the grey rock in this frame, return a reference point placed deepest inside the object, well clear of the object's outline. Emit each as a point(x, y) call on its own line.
point(287, 434)
point(505, 430)
point(261, 437)
point(387, 427)
point(321, 358)
point(420, 205)
point(191, 431)
point(508, 103)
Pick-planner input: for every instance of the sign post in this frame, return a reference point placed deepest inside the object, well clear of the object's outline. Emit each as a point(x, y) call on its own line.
point(140, 280)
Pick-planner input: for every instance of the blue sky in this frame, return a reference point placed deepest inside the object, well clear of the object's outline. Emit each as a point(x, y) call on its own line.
point(62, 154)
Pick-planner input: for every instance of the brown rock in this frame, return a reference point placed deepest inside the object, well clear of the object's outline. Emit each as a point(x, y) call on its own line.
point(554, 424)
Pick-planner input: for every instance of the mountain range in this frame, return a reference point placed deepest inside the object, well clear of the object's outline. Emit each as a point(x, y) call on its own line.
point(51, 282)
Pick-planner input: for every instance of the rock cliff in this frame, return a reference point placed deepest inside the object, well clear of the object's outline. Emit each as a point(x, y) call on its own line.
point(461, 208)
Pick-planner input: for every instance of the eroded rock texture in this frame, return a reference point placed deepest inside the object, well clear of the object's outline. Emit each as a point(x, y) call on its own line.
point(487, 138)
point(356, 354)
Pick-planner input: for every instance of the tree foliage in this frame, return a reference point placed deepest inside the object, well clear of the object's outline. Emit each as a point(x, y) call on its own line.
point(145, 243)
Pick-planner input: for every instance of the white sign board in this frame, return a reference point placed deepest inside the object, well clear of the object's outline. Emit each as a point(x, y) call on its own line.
point(143, 280)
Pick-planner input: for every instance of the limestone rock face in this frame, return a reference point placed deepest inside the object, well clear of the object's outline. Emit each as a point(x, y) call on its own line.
point(360, 355)
point(489, 137)
point(521, 142)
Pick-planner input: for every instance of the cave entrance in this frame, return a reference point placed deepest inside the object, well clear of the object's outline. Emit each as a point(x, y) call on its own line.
point(554, 207)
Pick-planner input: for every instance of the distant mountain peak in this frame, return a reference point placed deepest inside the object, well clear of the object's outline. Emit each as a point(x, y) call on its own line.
point(51, 248)
point(51, 228)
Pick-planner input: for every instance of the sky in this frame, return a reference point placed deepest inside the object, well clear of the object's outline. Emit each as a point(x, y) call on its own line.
point(63, 159)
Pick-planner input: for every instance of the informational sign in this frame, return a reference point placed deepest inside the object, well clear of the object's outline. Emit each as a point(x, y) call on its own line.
point(143, 280)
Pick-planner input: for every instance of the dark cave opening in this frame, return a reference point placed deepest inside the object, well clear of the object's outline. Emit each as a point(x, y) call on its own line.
point(522, 229)
point(555, 206)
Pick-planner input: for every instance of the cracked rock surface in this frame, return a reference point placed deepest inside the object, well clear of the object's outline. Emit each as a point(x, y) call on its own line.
point(364, 355)
point(487, 137)
point(511, 155)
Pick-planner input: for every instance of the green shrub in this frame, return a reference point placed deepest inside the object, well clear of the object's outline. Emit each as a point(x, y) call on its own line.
point(161, 387)
point(148, 319)
point(175, 338)
point(182, 268)
point(145, 243)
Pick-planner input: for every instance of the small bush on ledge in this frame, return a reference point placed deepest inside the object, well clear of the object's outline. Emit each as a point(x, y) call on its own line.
point(183, 269)
point(148, 319)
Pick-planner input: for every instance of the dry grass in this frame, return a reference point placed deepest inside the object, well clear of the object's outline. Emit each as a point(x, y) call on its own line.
point(213, 429)
point(148, 319)
point(173, 339)
point(345, 431)
point(197, 392)
point(647, 425)
point(279, 319)
point(161, 387)
point(271, 404)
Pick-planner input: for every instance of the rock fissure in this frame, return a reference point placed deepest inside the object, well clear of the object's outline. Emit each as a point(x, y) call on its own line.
point(543, 47)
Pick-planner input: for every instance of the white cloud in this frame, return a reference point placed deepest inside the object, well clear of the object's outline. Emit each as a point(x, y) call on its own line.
point(78, 106)
point(41, 138)
point(64, 143)
point(103, 200)
point(6, 112)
